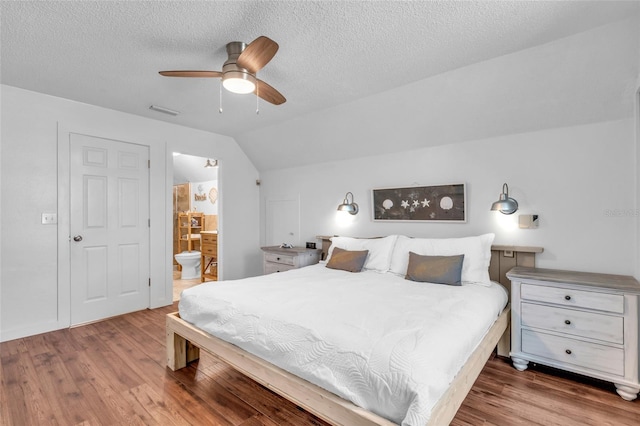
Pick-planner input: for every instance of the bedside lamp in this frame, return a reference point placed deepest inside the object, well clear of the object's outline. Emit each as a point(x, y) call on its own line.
point(349, 207)
point(506, 204)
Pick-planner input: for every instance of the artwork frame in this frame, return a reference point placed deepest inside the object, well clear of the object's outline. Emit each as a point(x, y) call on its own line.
point(446, 203)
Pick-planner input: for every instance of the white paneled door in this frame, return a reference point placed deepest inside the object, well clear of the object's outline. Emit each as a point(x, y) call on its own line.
point(109, 224)
point(283, 221)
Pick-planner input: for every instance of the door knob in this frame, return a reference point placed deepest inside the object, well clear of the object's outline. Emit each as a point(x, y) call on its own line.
point(77, 238)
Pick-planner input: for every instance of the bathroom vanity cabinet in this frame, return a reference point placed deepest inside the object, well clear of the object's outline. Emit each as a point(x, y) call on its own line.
point(209, 253)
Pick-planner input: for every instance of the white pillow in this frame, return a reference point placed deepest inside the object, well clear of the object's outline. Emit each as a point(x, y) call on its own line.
point(380, 249)
point(476, 250)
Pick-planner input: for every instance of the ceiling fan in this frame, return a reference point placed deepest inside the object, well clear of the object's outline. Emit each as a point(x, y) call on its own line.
point(239, 70)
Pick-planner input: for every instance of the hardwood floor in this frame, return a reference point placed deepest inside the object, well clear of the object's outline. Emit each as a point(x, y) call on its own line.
point(113, 373)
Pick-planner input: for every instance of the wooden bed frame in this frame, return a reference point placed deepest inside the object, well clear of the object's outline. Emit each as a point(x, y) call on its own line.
point(185, 341)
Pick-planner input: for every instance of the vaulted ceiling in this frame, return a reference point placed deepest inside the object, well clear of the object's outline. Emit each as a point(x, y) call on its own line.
point(333, 57)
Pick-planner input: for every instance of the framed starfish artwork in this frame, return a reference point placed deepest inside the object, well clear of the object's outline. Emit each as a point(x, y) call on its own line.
point(436, 203)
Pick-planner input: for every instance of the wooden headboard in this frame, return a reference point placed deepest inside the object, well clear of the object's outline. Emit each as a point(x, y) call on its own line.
point(503, 258)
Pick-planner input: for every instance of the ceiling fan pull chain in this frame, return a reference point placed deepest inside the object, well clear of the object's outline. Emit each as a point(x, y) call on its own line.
point(220, 108)
point(257, 99)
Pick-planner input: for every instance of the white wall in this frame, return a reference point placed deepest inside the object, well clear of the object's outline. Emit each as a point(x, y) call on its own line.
point(584, 78)
point(189, 168)
point(555, 122)
point(637, 118)
point(570, 176)
point(31, 296)
point(637, 180)
point(202, 189)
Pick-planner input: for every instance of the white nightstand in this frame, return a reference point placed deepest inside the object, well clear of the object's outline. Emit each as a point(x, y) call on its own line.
point(277, 259)
point(577, 321)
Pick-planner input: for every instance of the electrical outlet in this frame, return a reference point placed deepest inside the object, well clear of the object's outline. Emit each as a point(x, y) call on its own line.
point(49, 218)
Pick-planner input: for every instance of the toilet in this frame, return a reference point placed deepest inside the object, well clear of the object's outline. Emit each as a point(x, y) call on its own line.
point(190, 262)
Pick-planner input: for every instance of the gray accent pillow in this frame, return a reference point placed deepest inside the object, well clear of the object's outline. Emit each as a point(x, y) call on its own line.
point(346, 260)
point(435, 269)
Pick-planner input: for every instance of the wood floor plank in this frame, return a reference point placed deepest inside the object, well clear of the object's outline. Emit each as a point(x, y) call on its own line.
point(54, 376)
point(232, 408)
point(259, 420)
point(13, 347)
point(546, 397)
point(113, 372)
point(27, 401)
point(151, 409)
point(262, 399)
point(193, 408)
point(103, 386)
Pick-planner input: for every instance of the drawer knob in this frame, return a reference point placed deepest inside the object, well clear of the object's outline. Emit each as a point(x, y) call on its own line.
point(567, 322)
point(568, 351)
point(567, 297)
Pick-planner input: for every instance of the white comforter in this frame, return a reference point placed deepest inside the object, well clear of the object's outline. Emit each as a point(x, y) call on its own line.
point(387, 344)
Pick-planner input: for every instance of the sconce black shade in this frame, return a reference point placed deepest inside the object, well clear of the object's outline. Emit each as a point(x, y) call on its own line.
point(506, 204)
point(346, 206)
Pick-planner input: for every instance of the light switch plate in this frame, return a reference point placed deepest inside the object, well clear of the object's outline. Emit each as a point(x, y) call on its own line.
point(49, 218)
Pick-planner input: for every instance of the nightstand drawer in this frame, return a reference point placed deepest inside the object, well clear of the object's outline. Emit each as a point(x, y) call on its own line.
point(574, 298)
point(279, 258)
point(593, 325)
point(270, 268)
point(574, 352)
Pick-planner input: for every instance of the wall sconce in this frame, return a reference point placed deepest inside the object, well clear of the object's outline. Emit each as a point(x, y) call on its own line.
point(506, 204)
point(346, 206)
point(210, 165)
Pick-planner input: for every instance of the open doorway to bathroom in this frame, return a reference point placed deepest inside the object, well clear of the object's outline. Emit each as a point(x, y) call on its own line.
point(195, 221)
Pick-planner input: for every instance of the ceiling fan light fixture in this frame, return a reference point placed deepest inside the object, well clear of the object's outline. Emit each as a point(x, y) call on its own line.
point(239, 71)
point(239, 82)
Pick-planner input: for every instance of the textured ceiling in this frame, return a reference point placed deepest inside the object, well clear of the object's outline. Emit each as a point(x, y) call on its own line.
point(108, 53)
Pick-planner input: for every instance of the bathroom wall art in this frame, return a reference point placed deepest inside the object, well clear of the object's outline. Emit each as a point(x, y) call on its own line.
point(202, 199)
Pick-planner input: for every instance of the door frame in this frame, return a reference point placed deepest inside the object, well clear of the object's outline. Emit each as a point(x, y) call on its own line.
point(169, 207)
point(160, 293)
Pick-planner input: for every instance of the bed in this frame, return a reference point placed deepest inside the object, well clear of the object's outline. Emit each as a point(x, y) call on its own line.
point(357, 348)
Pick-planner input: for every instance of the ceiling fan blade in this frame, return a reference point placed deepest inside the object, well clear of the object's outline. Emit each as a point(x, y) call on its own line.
point(257, 54)
point(202, 74)
point(269, 94)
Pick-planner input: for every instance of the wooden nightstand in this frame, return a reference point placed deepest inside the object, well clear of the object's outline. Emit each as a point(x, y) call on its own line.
point(576, 321)
point(277, 259)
